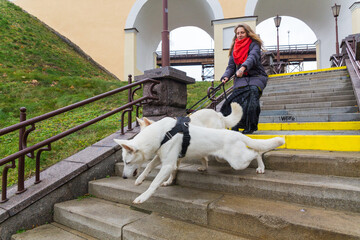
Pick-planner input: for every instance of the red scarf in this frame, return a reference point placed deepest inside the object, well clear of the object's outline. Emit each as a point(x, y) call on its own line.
point(241, 50)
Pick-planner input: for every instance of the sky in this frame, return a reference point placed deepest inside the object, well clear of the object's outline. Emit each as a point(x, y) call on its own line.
point(291, 31)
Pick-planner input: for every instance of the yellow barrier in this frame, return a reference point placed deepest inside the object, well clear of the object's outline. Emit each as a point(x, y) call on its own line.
point(309, 126)
point(310, 71)
point(349, 143)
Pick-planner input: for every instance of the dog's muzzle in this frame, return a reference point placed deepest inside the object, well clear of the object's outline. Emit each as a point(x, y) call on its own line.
point(134, 174)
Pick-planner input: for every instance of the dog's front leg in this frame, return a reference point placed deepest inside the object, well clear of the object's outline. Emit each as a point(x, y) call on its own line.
point(150, 166)
point(164, 172)
point(261, 166)
point(205, 165)
point(172, 175)
point(170, 179)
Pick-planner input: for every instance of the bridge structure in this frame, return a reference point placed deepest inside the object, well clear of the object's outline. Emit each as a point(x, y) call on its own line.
point(293, 55)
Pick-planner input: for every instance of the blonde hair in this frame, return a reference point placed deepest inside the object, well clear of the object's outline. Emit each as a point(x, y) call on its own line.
point(250, 33)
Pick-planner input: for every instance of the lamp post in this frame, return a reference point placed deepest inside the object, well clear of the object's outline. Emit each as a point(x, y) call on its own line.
point(277, 21)
point(336, 11)
point(165, 49)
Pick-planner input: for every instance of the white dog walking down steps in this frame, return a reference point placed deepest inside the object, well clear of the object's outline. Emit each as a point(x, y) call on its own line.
point(225, 144)
point(205, 118)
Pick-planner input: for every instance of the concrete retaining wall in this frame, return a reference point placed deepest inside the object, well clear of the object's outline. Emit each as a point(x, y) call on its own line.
point(63, 181)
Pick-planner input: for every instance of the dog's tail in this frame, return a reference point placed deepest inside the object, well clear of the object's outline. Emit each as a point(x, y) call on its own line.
point(263, 144)
point(235, 116)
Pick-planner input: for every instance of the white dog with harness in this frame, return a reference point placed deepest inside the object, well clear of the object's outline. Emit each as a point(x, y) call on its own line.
point(234, 147)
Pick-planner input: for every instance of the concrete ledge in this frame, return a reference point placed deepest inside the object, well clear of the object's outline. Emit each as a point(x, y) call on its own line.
point(166, 72)
point(66, 180)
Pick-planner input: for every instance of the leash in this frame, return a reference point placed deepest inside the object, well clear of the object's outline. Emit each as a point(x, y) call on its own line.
point(182, 124)
point(221, 85)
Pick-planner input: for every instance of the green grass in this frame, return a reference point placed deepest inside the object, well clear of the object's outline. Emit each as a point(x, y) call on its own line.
point(40, 72)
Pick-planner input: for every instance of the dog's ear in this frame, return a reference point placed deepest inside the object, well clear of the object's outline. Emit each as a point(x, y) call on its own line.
point(141, 123)
point(128, 148)
point(124, 144)
point(148, 121)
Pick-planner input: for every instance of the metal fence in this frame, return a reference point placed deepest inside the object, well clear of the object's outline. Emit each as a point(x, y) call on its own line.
point(45, 145)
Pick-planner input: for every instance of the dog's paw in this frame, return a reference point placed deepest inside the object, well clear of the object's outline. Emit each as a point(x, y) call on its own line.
point(202, 169)
point(260, 170)
point(140, 199)
point(138, 181)
point(165, 184)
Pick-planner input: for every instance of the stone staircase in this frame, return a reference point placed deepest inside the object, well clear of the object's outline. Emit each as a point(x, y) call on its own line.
point(304, 193)
point(324, 96)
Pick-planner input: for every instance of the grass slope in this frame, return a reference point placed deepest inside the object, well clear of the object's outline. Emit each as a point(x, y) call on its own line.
point(42, 73)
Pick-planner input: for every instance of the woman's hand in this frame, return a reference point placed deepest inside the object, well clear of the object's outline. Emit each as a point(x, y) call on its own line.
point(225, 79)
point(240, 72)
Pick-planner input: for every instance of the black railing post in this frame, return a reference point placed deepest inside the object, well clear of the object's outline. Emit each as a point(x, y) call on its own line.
point(21, 165)
point(130, 100)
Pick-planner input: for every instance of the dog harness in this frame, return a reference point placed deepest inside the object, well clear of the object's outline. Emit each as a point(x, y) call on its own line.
point(181, 126)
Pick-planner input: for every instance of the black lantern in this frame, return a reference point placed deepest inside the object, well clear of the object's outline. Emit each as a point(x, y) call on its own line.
point(336, 10)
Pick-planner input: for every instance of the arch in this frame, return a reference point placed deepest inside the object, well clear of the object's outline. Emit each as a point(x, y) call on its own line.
point(146, 17)
point(267, 28)
point(133, 13)
point(250, 7)
point(316, 14)
point(215, 6)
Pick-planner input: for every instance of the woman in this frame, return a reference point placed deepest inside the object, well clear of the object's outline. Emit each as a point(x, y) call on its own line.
point(250, 77)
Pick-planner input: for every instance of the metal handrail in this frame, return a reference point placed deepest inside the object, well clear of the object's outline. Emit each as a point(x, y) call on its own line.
point(354, 62)
point(175, 53)
point(204, 52)
point(300, 47)
point(23, 133)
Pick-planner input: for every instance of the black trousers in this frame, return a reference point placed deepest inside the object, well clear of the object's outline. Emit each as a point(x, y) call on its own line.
point(249, 99)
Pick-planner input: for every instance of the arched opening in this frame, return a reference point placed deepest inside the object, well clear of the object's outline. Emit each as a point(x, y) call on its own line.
point(293, 34)
point(316, 14)
point(187, 39)
point(146, 18)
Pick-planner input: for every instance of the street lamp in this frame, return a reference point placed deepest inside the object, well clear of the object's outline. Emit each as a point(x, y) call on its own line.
point(277, 21)
point(336, 11)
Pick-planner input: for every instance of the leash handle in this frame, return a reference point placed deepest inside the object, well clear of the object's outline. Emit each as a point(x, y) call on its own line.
point(223, 86)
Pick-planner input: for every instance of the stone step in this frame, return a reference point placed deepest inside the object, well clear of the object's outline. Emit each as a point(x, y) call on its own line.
point(109, 220)
point(294, 77)
point(310, 84)
point(331, 98)
point(308, 95)
point(320, 92)
point(341, 193)
point(157, 226)
point(313, 74)
point(244, 215)
point(309, 104)
point(314, 78)
point(295, 80)
point(337, 117)
point(319, 87)
point(309, 109)
point(53, 231)
point(98, 218)
point(346, 164)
